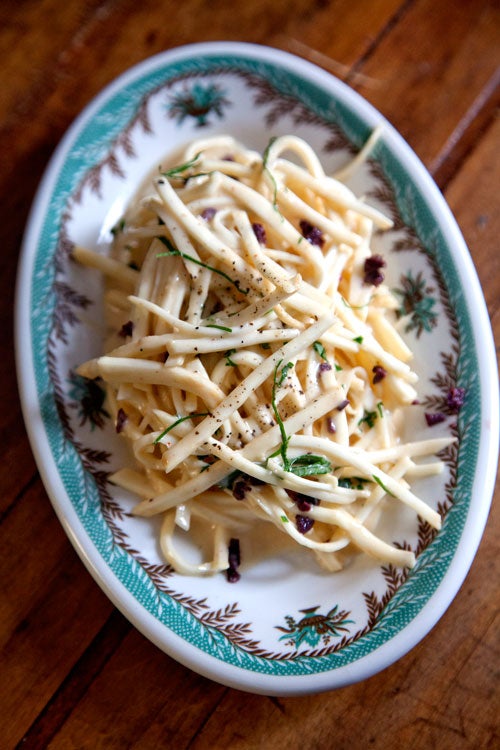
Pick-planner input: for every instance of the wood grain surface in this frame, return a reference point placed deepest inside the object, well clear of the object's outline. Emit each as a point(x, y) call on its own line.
point(73, 672)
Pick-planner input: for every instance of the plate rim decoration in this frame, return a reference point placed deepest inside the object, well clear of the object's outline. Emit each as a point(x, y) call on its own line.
point(230, 663)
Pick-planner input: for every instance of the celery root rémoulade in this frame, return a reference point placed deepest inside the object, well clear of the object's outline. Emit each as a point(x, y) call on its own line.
point(253, 360)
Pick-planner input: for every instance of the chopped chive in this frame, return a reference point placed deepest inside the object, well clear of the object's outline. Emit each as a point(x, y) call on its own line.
point(380, 482)
point(356, 483)
point(265, 158)
point(380, 409)
point(229, 361)
point(284, 372)
point(284, 437)
point(284, 519)
point(221, 328)
point(369, 417)
point(172, 248)
point(358, 339)
point(320, 350)
point(178, 421)
point(175, 171)
point(265, 155)
point(173, 251)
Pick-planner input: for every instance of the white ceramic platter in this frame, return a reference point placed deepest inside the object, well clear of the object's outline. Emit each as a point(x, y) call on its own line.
point(286, 627)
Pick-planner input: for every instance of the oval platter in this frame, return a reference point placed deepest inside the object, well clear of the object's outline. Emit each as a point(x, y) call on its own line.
point(286, 628)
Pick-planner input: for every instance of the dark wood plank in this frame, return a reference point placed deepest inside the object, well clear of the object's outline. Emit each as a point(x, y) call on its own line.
point(95, 47)
point(469, 131)
point(338, 35)
point(473, 197)
point(432, 68)
point(19, 465)
point(50, 610)
point(32, 41)
point(76, 683)
point(142, 698)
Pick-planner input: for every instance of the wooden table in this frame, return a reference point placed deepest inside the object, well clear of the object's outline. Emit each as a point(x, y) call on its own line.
point(73, 672)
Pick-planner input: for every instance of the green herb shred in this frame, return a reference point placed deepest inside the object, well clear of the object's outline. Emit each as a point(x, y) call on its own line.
point(309, 465)
point(265, 158)
point(320, 350)
point(178, 421)
point(221, 328)
point(380, 482)
point(173, 251)
point(229, 361)
point(181, 168)
point(368, 418)
point(284, 438)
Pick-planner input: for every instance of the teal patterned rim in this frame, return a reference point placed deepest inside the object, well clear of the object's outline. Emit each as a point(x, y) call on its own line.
point(88, 145)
